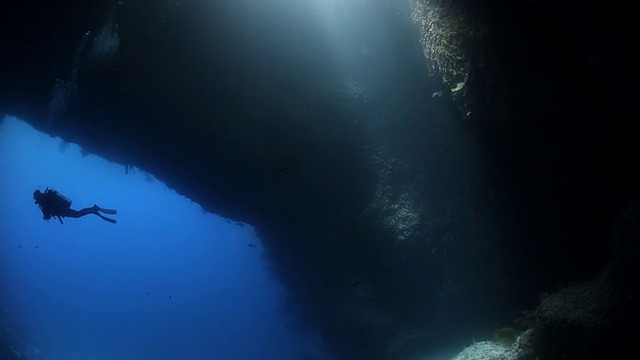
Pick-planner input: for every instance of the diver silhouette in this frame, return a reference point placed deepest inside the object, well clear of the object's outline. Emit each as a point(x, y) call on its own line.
point(54, 204)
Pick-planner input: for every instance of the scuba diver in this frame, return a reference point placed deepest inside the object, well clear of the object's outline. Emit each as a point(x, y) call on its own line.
point(52, 203)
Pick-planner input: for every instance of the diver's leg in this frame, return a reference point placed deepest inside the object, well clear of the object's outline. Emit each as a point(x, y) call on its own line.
point(79, 213)
point(91, 210)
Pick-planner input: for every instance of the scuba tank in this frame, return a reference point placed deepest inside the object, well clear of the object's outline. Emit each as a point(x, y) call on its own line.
point(61, 201)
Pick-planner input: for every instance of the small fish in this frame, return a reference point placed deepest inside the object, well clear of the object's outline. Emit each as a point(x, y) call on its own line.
point(252, 245)
point(239, 223)
point(37, 246)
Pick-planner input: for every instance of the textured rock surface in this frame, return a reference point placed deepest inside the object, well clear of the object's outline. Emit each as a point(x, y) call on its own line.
point(597, 319)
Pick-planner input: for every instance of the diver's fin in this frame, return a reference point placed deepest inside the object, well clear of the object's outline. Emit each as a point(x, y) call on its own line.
point(106, 218)
point(107, 211)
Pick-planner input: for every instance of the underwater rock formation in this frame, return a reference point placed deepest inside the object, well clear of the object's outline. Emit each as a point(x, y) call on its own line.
point(594, 320)
point(521, 349)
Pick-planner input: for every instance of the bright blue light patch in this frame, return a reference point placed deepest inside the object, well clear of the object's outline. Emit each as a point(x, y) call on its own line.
point(168, 281)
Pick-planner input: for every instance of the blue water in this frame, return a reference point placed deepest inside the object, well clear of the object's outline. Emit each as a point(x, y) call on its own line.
point(168, 281)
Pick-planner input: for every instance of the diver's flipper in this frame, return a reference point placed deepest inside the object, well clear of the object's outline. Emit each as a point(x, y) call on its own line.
point(107, 211)
point(106, 218)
